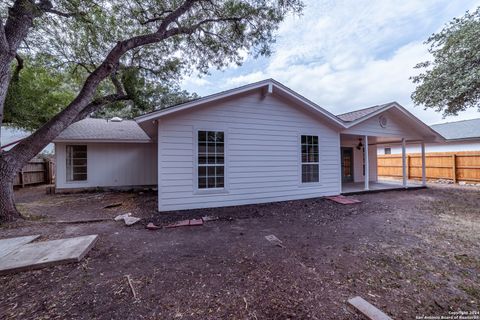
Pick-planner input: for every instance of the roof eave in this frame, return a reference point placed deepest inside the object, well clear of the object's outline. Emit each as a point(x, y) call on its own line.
point(438, 136)
point(254, 86)
point(102, 141)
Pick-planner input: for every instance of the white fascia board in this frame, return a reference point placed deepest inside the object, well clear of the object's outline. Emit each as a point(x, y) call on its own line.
point(100, 141)
point(272, 84)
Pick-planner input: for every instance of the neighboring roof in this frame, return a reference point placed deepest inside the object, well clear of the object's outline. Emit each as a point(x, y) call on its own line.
point(91, 129)
point(10, 136)
point(465, 129)
point(268, 83)
point(358, 114)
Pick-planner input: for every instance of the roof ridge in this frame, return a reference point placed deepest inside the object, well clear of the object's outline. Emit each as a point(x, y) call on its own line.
point(366, 108)
point(464, 120)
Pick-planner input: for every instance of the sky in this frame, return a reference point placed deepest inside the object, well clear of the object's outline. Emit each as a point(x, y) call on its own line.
point(348, 54)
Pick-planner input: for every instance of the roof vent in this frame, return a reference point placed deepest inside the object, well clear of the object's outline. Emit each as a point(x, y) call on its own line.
point(116, 119)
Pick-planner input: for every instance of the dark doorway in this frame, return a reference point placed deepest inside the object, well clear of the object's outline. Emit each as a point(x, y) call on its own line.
point(347, 164)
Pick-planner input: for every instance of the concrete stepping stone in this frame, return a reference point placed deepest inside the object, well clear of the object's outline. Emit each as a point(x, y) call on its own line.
point(47, 253)
point(10, 244)
point(367, 309)
point(343, 200)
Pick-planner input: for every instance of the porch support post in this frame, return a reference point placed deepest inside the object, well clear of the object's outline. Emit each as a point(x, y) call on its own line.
point(404, 162)
point(367, 164)
point(424, 169)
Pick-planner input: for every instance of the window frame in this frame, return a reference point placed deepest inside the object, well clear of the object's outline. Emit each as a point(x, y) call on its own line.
point(389, 150)
point(67, 180)
point(196, 189)
point(300, 160)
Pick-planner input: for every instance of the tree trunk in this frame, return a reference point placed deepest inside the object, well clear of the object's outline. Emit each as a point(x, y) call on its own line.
point(5, 75)
point(8, 211)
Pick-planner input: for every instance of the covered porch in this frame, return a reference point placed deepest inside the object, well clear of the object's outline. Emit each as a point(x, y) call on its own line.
point(372, 128)
point(358, 156)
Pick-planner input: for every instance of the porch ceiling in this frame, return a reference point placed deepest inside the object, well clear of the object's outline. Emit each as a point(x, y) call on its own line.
point(353, 138)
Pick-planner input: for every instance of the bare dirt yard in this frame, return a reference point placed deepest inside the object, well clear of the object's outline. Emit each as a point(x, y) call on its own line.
point(410, 253)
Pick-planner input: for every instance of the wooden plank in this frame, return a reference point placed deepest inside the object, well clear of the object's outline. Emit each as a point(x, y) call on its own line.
point(47, 253)
point(10, 244)
point(454, 168)
point(367, 309)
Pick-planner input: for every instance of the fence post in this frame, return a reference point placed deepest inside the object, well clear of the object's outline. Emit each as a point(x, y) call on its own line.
point(454, 168)
point(408, 166)
point(22, 180)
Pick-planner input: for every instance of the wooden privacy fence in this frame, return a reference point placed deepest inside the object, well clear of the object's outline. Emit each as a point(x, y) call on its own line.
point(455, 166)
point(36, 171)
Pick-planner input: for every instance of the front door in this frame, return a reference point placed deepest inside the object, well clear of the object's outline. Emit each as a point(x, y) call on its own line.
point(347, 164)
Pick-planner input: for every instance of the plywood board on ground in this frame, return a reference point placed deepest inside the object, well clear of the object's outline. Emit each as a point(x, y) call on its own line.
point(47, 253)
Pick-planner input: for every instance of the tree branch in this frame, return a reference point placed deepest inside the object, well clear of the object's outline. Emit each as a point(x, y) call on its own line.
point(3, 39)
point(160, 16)
point(177, 13)
point(65, 14)
point(116, 83)
point(18, 68)
point(100, 102)
point(194, 27)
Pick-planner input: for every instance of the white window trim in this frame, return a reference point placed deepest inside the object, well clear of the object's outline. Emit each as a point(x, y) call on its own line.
point(226, 136)
point(299, 159)
point(65, 161)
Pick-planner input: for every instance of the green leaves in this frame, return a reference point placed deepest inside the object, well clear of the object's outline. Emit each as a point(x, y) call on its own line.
point(451, 82)
point(36, 95)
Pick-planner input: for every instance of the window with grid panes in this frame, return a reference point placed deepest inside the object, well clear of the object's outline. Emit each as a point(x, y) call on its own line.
point(310, 163)
point(76, 163)
point(211, 159)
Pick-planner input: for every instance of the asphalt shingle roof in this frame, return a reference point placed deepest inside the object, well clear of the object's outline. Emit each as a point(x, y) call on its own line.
point(459, 129)
point(102, 129)
point(358, 114)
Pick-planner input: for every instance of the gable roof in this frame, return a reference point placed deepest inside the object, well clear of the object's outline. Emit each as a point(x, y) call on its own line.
point(271, 86)
point(91, 129)
point(458, 130)
point(358, 116)
point(360, 113)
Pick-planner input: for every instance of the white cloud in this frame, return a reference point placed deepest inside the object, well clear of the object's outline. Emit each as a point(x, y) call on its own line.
point(349, 54)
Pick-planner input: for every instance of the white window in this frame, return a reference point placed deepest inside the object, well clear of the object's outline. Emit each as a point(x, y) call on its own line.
point(310, 159)
point(211, 159)
point(76, 163)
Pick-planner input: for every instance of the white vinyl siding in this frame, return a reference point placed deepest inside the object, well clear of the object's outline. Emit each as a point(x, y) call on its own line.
point(111, 165)
point(76, 162)
point(262, 153)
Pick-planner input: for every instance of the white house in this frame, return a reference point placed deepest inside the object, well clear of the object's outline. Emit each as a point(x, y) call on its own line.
point(258, 143)
point(460, 136)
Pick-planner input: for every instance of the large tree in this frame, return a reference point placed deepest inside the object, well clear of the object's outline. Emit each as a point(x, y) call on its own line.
point(450, 83)
point(37, 92)
point(164, 38)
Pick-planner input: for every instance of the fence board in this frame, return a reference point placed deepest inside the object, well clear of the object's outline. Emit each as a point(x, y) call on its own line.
point(36, 171)
point(455, 166)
